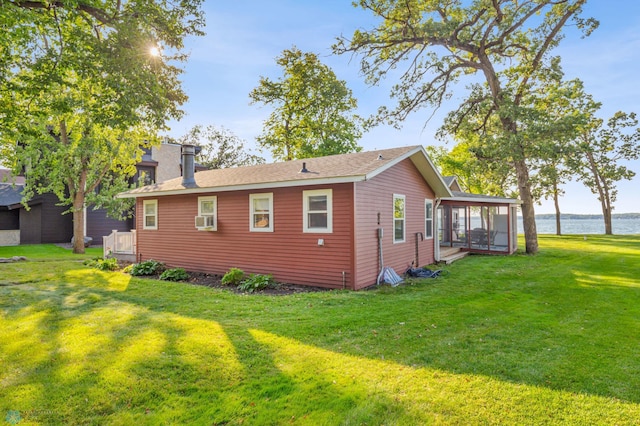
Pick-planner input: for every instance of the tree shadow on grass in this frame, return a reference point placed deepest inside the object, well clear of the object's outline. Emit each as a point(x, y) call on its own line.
point(80, 359)
point(531, 332)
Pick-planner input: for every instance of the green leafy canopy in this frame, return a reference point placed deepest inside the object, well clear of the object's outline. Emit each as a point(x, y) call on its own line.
point(84, 85)
point(313, 110)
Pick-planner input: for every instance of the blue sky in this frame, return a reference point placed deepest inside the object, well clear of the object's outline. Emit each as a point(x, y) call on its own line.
point(244, 38)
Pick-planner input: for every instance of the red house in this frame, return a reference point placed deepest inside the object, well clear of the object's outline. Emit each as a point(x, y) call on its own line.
point(331, 222)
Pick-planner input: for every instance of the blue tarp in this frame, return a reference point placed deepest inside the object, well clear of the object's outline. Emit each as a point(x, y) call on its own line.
point(422, 273)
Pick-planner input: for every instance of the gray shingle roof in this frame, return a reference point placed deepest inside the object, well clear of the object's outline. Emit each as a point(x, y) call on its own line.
point(448, 179)
point(330, 169)
point(10, 195)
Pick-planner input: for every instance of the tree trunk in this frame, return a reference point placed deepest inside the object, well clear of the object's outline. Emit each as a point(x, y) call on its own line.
point(556, 203)
point(606, 213)
point(78, 223)
point(528, 211)
point(606, 208)
point(603, 194)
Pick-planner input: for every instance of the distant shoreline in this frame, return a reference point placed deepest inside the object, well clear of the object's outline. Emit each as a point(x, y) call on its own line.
point(571, 216)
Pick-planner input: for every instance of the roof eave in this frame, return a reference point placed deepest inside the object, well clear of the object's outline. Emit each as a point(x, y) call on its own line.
point(245, 187)
point(483, 200)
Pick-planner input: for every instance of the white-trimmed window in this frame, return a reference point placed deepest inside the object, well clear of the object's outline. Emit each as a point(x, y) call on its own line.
point(150, 214)
point(398, 218)
point(261, 206)
point(207, 218)
point(317, 210)
point(428, 218)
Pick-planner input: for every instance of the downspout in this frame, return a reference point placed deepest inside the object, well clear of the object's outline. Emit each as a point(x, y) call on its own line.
point(353, 270)
point(421, 236)
point(380, 232)
point(436, 238)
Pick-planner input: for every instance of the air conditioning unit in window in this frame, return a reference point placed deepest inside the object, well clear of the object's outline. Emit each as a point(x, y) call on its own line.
point(204, 223)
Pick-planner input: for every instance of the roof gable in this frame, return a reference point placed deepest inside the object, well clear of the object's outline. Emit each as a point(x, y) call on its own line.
point(452, 183)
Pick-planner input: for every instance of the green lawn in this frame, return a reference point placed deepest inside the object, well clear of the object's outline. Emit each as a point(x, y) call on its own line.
point(548, 339)
point(48, 252)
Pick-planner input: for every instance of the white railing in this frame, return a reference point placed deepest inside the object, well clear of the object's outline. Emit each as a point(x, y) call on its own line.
point(119, 243)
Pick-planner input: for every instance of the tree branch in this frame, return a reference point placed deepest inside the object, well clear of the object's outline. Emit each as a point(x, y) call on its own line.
point(98, 180)
point(517, 25)
point(545, 46)
point(97, 13)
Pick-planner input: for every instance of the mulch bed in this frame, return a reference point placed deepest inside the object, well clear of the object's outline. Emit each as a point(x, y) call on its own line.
point(215, 281)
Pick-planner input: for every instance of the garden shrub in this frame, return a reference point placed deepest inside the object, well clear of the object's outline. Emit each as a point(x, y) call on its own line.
point(233, 277)
point(175, 274)
point(148, 267)
point(92, 263)
point(109, 264)
point(256, 282)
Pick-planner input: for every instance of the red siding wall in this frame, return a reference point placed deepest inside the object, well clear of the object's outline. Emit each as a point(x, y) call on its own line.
point(287, 253)
point(376, 196)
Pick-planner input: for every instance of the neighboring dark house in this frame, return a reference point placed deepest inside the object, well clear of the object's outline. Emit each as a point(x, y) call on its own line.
point(157, 165)
point(10, 196)
point(44, 221)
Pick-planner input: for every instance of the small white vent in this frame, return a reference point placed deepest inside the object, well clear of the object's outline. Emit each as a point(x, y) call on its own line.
point(205, 222)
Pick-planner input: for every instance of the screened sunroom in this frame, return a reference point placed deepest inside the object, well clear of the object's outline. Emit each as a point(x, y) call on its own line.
point(478, 223)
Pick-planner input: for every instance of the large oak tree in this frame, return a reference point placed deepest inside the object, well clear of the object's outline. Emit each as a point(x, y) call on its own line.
point(600, 152)
point(561, 116)
point(313, 111)
point(85, 84)
point(549, 117)
point(431, 45)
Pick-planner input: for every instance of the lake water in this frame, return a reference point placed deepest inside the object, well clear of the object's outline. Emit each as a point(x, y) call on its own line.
point(584, 226)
